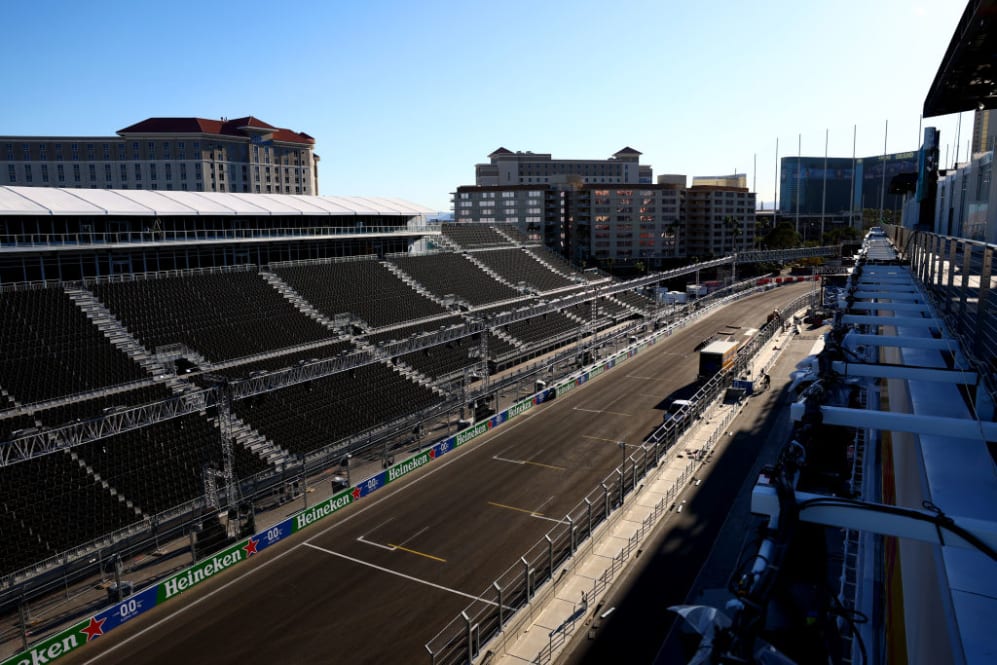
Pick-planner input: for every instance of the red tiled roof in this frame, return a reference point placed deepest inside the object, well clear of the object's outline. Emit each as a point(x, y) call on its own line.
point(205, 126)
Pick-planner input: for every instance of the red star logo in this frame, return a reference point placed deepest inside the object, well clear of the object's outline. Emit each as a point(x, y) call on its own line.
point(488, 425)
point(432, 453)
point(95, 629)
point(250, 547)
point(356, 493)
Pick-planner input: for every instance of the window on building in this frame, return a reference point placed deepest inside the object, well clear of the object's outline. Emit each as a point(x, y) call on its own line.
point(168, 170)
point(92, 171)
point(107, 172)
point(124, 172)
point(60, 173)
point(44, 172)
point(138, 171)
point(107, 151)
point(10, 152)
point(91, 155)
point(43, 152)
point(76, 172)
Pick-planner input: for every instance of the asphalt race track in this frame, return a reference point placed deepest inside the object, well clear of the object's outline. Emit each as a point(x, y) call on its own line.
point(376, 581)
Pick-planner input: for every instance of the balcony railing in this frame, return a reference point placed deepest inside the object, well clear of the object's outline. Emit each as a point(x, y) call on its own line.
point(110, 238)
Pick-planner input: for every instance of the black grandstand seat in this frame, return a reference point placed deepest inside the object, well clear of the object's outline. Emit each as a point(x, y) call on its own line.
point(51, 349)
point(221, 316)
point(513, 232)
point(516, 265)
point(447, 359)
point(160, 466)
point(635, 299)
point(560, 264)
point(50, 504)
point(286, 360)
point(448, 273)
point(498, 348)
point(474, 236)
point(87, 409)
point(365, 289)
point(12, 425)
point(309, 416)
point(406, 332)
point(605, 308)
point(539, 329)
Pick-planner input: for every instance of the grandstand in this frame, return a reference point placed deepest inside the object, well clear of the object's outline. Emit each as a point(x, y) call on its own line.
point(192, 346)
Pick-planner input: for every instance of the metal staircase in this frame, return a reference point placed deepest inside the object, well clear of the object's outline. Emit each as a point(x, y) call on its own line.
point(297, 299)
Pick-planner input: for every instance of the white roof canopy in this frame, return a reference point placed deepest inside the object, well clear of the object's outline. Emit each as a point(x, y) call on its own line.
point(140, 202)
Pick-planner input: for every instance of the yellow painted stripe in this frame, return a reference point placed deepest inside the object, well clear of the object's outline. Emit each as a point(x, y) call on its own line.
point(428, 556)
point(522, 510)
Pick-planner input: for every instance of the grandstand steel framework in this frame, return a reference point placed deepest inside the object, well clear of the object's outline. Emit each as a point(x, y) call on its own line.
point(47, 441)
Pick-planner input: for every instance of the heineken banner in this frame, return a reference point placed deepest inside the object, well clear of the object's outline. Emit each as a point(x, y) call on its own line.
point(72, 638)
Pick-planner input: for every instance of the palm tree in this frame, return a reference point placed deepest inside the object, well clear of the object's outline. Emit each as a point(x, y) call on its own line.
point(673, 232)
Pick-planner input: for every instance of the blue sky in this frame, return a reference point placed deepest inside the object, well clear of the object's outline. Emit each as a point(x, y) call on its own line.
point(404, 98)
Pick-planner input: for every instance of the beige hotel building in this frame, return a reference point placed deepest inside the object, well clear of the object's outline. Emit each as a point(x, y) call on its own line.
point(186, 154)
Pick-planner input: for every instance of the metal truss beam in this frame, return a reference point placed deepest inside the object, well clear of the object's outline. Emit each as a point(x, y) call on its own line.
point(944, 344)
point(891, 307)
point(899, 294)
point(959, 428)
point(51, 440)
point(875, 518)
point(881, 371)
point(913, 321)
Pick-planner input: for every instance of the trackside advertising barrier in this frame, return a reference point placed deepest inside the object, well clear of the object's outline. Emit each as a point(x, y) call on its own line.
point(74, 637)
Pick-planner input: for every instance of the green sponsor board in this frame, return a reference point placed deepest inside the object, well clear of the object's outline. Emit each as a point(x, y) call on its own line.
point(322, 510)
point(470, 433)
point(199, 572)
point(54, 647)
point(596, 371)
point(409, 465)
point(522, 407)
point(565, 387)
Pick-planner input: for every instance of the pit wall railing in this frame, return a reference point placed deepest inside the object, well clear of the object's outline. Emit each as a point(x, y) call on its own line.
point(527, 584)
point(451, 646)
point(958, 275)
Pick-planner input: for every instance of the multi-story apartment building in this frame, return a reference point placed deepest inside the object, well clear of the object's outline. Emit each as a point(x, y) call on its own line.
point(507, 168)
point(718, 220)
point(624, 224)
point(577, 210)
point(195, 154)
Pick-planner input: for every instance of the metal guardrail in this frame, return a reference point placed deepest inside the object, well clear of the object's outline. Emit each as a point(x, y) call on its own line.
point(57, 241)
point(958, 275)
point(461, 640)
